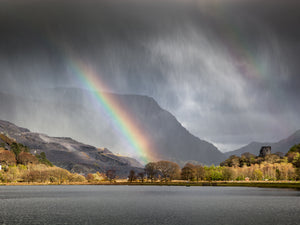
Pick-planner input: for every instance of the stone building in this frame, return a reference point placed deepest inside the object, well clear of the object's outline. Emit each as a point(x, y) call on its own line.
point(265, 150)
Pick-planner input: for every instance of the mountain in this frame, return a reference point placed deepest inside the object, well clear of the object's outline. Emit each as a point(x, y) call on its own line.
point(281, 146)
point(76, 113)
point(70, 154)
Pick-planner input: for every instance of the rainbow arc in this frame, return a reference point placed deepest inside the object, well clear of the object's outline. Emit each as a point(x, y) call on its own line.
point(123, 121)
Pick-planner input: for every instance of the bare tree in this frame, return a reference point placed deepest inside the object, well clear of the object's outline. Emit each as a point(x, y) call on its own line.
point(188, 172)
point(151, 171)
point(131, 176)
point(169, 170)
point(111, 175)
point(199, 172)
point(141, 176)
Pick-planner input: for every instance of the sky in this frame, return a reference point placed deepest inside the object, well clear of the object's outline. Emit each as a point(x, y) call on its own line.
point(228, 70)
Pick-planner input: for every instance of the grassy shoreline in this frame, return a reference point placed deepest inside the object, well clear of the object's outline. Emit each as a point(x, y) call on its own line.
point(261, 184)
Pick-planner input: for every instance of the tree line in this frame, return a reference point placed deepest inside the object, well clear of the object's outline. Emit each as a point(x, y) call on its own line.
point(272, 167)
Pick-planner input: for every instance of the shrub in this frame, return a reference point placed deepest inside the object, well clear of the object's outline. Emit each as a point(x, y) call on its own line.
point(26, 158)
point(295, 148)
point(90, 177)
point(7, 158)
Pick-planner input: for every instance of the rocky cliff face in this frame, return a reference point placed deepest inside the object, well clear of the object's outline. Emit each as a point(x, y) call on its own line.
point(75, 113)
point(70, 154)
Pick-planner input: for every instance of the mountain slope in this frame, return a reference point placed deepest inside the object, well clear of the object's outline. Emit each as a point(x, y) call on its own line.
point(76, 113)
point(70, 154)
point(282, 146)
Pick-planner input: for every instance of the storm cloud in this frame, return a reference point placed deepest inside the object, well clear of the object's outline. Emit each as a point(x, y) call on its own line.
point(228, 70)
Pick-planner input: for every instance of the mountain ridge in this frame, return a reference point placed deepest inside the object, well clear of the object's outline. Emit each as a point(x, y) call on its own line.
point(76, 112)
point(70, 154)
point(281, 146)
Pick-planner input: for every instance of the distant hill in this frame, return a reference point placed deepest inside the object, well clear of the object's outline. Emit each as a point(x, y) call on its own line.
point(281, 146)
point(74, 112)
point(70, 154)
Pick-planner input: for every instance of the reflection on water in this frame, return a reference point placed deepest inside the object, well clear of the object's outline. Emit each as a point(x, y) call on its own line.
point(147, 205)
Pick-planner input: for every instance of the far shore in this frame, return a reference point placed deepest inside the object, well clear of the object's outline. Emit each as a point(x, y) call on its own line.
point(262, 184)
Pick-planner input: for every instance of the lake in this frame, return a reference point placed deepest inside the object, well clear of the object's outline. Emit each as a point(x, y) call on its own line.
point(88, 204)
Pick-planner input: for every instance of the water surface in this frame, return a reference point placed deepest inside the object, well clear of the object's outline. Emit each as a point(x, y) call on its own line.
point(147, 205)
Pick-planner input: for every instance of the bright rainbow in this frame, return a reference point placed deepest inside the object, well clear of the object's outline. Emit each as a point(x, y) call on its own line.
point(119, 116)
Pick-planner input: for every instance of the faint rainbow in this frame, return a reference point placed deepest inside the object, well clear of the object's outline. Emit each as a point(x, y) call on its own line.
point(126, 125)
point(238, 47)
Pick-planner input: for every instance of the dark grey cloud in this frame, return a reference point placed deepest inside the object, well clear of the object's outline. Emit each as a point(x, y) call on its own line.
point(228, 70)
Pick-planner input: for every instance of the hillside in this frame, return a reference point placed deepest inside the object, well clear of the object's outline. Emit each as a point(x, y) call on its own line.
point(282, 146)
point(75, 113)
point(70, 154)
point(18, 165)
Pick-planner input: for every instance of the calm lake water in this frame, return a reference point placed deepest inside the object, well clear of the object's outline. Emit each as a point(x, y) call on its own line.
point(147, 205)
